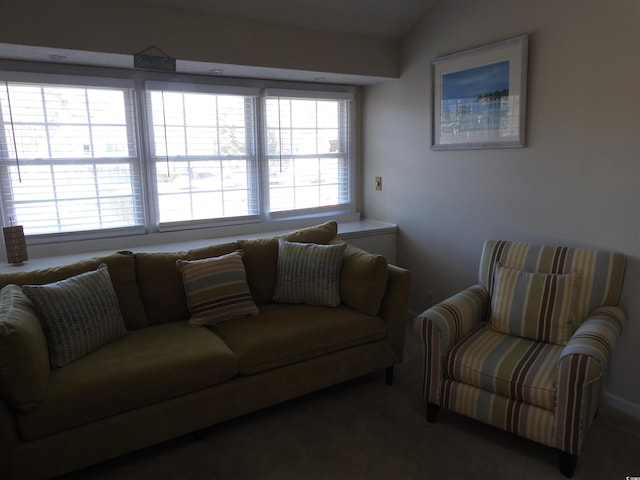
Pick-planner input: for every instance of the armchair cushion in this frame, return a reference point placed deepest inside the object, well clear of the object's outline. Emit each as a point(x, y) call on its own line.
point(537, 306)
point(509, 366)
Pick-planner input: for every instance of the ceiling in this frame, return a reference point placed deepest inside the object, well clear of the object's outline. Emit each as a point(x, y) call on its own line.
point(376, 18)
point(387, 19)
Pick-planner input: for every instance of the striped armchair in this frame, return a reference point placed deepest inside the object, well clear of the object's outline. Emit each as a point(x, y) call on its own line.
point(527, 349)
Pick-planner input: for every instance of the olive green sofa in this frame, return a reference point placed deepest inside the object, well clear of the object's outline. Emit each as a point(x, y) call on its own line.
point(163, 377)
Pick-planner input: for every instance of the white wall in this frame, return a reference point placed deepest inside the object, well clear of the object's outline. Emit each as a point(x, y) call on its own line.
point(575, 183)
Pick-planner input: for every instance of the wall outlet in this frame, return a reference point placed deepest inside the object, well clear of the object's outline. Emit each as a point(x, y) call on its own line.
point(378, 183)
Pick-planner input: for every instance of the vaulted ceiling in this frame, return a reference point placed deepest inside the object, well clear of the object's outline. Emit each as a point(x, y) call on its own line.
point(376, 18)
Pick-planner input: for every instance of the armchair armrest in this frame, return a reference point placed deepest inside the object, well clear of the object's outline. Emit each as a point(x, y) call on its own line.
point(442, 326)
point(582, 368)
point(455, 317)
point(597, 335)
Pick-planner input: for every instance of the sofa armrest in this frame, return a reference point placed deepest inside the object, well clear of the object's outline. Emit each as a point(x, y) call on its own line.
point(394, 307)
point(442, 326)
point(582, 368)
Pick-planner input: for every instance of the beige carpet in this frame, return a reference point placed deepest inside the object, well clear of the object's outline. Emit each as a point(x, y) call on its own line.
point(365, 429)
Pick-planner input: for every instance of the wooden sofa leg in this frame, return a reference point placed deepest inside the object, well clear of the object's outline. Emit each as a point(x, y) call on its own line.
point(432, 412)
point(389, 375)
point(567, 463)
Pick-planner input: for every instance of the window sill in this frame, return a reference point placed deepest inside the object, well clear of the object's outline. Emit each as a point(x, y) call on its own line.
point(361, 233)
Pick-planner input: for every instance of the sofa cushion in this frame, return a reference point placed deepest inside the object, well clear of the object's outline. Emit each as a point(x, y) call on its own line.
point(261, 257)
point(510, 366)
point(161, 289)
point(537, 306)
point(363, 280)
point(78, 314)
point(146, 366)
point(308, 273)
point(261, 265)
point(24, 357)
point(283, 334)
point(122, 269)
point(216, 289)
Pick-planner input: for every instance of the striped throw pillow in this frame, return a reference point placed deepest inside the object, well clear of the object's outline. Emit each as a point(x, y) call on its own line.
point(216, 289)
point(309, 273)
point(537, 306)
point(78, 314)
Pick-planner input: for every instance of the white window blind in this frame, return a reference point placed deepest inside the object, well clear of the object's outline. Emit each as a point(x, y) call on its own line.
point(203, 148)
point(68, 157)
point(308, 152)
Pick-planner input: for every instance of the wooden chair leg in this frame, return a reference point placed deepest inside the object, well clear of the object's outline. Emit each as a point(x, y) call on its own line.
point(567, 463)
point(432, 412)
point(389, 375)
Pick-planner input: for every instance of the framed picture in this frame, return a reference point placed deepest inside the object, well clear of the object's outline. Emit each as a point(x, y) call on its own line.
point(480, 96)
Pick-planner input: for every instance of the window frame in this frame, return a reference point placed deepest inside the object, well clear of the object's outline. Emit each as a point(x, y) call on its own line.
point(140, 80)
point(251, 155)
point(346, 141)
point(134, 160)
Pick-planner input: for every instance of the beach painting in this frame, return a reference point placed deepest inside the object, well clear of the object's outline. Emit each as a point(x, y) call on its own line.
point(478, 101)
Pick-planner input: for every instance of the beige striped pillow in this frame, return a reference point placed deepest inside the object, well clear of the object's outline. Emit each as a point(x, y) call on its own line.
point(216, 289)
point(537, 306)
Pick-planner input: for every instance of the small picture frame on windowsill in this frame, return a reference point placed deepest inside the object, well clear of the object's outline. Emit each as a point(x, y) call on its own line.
point(479, 97)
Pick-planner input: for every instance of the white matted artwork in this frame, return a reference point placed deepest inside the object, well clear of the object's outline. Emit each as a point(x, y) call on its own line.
point(479, 97)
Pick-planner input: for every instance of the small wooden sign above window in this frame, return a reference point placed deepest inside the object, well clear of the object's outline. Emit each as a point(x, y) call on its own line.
point(152, 62)
point(162, 63)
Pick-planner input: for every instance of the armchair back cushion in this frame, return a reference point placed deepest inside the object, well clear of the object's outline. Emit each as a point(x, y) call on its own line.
point(599, 274)
point(537, 306)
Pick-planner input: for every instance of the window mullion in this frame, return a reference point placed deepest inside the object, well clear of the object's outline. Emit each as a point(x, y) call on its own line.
point(147, 166)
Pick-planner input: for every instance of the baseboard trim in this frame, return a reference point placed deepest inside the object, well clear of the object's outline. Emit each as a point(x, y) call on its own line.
point(619, 403)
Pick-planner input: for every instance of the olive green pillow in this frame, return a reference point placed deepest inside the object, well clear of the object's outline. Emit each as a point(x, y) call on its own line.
point(24, 357)
point(363, 280)
point(320, 234)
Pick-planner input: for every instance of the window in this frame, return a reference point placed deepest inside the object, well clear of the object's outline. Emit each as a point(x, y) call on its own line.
point(114, 156)
point(68, 157)
point(204, 154)
point(308, 153)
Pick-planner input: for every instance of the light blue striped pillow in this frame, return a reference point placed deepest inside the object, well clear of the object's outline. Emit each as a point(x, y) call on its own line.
point(78, 315)
point(537, 306)
point(309, 273)
point(217, 289)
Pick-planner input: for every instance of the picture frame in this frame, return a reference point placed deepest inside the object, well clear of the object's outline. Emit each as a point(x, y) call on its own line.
point(480, 97)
